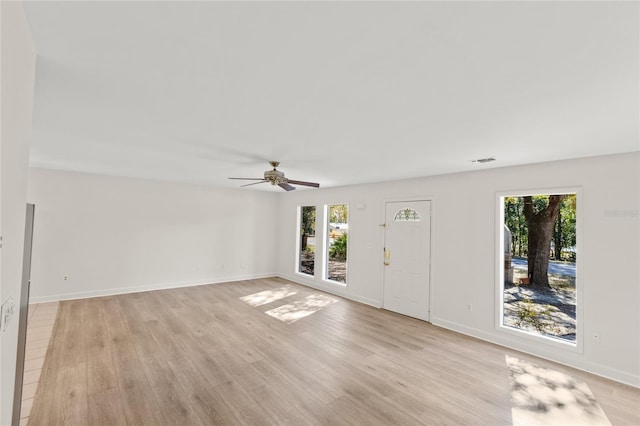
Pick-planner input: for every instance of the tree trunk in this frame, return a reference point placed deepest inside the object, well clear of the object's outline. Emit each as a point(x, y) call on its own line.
point(557, 237)
point(520, 232)
point(540, 225)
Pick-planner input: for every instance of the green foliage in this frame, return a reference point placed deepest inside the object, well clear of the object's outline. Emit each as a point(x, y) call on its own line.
point(515, 221)
point(540, 202)
point(564, 233)
point(308, 222)
point(339, 213)
point(338, 249)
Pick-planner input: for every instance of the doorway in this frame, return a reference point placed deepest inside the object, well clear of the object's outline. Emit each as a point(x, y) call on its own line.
point(407, 258)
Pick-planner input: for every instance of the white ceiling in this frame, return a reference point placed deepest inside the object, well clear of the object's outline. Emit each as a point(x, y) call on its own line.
point(339, 92)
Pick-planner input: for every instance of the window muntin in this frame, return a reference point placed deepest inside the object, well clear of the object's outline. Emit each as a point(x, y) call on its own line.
point(406, 215)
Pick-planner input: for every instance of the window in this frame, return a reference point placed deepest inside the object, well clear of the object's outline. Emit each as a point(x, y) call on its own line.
point(407, 215)
point(337, 242)
point(307, 244)
point(538, 254)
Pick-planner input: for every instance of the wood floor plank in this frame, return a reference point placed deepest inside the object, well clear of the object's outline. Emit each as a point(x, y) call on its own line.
point(70, 402)
point(271, 402)
point(100, 370)
point(293, 392)
point(208, 405)
point(137, 398)
point(74, 346)
point(135, 392)
point(353, 413)
point(173, 405)
point(130, 311)
point(243, 406)
point(105, 409)
point(191, 309)
point(165, 341)
point(203, 356)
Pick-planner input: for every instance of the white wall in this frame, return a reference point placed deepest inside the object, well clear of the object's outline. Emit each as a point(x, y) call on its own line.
point(17, 76)
point(464, 253)
point(114, 235)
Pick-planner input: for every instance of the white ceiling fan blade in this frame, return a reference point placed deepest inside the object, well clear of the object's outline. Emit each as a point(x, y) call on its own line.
point(253, 183)
point(247, 178)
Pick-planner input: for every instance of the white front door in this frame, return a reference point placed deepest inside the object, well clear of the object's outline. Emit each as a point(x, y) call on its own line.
point(407, 258)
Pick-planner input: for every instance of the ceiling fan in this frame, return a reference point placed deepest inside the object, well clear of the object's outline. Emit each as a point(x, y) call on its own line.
point(276, 177)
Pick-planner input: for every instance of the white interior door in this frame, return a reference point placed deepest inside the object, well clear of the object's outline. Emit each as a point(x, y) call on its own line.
point(407, 258)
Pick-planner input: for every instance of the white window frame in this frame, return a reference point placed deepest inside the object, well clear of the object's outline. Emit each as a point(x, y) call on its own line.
point(326, 246)
point(523, 335)
point(299, 241)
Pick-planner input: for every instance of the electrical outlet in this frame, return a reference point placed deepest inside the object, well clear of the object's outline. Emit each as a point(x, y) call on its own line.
point(6, 312)
point(595, 337)
point(469, 307)
point(65, 277)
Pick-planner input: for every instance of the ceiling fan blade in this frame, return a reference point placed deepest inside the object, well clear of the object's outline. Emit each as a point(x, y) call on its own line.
point(247, 178)
point(286, 186)
point(301, 182)
point(252, 183)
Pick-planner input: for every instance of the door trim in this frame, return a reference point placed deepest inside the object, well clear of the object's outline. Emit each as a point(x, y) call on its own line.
point(23, 312)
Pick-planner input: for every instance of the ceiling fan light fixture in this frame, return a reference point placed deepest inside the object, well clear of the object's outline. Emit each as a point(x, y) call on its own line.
point(274, 176)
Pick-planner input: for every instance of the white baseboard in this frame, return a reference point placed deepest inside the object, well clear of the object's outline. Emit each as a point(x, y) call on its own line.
point(142, 288)
point(577, 362)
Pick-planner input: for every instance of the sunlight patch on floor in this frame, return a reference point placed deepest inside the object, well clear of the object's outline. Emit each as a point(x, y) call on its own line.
point(268, 296)
point(293, 312)
point(542, 396)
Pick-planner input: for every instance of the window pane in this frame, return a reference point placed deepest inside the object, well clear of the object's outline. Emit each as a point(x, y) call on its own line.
point(337, 240)
point(407, 215)
point(539, 258)
point(307, 247)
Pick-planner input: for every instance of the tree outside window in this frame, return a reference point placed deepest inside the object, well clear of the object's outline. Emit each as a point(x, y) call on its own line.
point(337, 242)
point(307, 248)
point(539, 258)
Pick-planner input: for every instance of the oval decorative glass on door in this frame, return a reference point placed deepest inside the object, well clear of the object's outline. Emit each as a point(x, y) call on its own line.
point(407, 215)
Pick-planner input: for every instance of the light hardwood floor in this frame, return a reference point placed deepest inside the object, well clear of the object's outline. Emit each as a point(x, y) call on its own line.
point(202, 355)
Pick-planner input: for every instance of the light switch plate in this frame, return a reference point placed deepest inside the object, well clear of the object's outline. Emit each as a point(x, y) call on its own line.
point(6, 312)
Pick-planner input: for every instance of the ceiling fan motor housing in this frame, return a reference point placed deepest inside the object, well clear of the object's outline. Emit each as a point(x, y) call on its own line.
point(274, 176)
